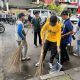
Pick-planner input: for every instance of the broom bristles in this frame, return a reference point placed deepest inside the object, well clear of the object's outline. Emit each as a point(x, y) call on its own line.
point(14, 62)
point(39, 70)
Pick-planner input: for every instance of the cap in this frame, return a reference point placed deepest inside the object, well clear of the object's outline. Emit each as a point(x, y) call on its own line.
point(53, 20)
point(64, 13)
point(21, 15)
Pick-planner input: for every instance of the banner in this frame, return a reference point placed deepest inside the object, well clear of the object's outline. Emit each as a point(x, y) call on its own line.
point(48, 1)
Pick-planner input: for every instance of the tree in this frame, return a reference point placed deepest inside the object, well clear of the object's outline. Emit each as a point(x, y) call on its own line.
point(58, 8)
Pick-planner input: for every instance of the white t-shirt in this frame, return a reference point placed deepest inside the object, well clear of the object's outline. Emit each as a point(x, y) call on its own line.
point(77, 30)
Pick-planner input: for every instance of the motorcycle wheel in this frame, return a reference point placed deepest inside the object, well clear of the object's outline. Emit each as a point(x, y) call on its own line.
point(2, 29)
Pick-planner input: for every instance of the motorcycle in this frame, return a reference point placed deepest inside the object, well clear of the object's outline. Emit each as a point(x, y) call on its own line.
point(2, 28)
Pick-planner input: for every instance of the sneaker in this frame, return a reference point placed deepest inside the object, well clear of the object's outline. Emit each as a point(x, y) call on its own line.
point(28, 58)
point(35, 46)
point(75, 54)
point(24, 58)
point(37, 64)
point(50, 65)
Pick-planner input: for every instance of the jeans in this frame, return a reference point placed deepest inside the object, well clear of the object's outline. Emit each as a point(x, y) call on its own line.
point(24, 48)
point(53, 48)
point(78, 47)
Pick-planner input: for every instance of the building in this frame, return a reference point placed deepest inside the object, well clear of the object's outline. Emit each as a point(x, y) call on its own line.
point(68, 1)
point(73, 2)
point(18, 3)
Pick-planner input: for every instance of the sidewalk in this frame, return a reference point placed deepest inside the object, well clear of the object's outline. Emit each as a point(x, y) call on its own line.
point(72, 74)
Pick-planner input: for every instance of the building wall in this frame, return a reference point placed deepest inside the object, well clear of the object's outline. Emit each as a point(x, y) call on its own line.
point(73, 0)
point(69, 0)
point(19, 2)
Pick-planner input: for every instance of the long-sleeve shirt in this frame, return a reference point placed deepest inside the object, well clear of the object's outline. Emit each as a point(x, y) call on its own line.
point(52, 33)
point(20, 33)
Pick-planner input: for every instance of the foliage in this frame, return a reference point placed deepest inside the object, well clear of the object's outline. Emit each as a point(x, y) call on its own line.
point(58, 8)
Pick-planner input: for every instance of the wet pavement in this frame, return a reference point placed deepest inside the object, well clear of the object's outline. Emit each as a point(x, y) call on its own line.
point(7, 48)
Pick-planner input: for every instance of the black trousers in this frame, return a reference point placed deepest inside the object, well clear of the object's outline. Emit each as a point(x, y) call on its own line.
point(64, 54)
point(53, 49)
point(35, 37)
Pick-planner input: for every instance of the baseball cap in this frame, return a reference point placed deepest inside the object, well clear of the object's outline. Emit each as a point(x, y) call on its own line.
point(53, 20)
point(65, 12)
point(21, 15)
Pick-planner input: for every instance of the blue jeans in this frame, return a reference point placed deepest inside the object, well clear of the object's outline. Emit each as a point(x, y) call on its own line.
point(78, 47)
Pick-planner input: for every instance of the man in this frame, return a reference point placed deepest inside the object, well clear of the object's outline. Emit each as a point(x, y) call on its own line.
point(21, 35)
point(37, 27)
point(29, 17)
point(67, 32)
point(77, 32)
point(51, 36)
point(52, 14)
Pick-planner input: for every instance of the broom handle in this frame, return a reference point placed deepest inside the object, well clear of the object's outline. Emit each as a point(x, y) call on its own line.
point(59, 57)
point(27, 31)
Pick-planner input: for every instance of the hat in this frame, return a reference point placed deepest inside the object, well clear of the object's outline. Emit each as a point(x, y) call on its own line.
point(64, 13)
point(21, 15)
point(53, 20)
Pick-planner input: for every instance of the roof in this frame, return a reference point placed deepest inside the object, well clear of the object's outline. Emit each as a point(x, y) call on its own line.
point(40, 9)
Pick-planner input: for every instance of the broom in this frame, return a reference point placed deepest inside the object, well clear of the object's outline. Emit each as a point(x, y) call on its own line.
point(14, 62)
point(39, 70)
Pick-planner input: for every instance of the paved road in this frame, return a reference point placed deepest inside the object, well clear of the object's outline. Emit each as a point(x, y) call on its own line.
point(8, 46)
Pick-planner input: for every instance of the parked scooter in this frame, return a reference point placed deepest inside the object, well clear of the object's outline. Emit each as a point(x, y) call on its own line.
point(2, 28)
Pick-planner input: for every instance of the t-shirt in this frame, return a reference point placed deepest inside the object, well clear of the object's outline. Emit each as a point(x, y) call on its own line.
point(77, 30)
point(52, 33)
point(67, 27)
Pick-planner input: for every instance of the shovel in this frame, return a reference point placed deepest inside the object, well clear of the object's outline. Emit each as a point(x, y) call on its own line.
point(57, 66)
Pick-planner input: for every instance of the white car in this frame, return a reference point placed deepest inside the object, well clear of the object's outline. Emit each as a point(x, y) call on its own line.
point(74, 20)
point(44, 13)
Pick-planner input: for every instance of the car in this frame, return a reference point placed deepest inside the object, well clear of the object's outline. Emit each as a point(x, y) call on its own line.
point(44, 13)
point(74, 19)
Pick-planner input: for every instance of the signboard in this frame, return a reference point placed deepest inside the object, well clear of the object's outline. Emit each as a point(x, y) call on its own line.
point(48, 1)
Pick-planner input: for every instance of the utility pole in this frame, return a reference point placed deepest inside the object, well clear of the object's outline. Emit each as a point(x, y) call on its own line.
point(38, 1)
point(78, 2)
point(2, 4)
point(7, 5)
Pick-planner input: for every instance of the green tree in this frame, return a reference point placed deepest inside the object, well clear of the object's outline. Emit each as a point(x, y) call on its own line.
point(58, 8)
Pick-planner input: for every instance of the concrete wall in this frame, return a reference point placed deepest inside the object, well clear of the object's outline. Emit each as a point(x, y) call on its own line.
point(19, 2)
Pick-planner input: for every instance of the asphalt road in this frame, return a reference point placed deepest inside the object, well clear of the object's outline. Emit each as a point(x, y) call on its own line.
point(7, 48)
